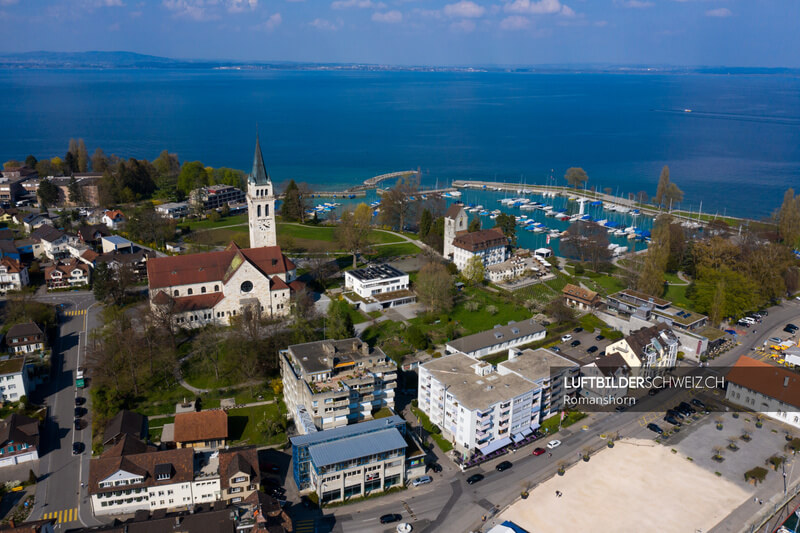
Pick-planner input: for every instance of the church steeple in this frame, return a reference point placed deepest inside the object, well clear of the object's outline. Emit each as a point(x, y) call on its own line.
point(259, 174)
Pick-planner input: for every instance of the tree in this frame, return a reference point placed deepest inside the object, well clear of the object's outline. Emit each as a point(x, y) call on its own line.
point(435, 237)
point(70, 163)
point(474, 270)
point(82, 157)
point(586, 241)
point(435, 287)
point(416, 337)
point(789, 219)
point(45, 168)
point(58, 166)
point(425, 223)
point(508, 224)
point(474, 225)
point(303, 314)
point(739, 293)
point(559, 311)
point(353, 230)
point(147, 226)
point(47, 193)
point(642, 197)
point(12, 163)
point(397, 206)
point(667, 192)
point(31, 161)
point(75, 196)
point(167, 166)
point(651, 276)
point(291, 206)
point(339, 323)
point(193, 175)
point(99, 161)
point(576, 177)
point(110, 284)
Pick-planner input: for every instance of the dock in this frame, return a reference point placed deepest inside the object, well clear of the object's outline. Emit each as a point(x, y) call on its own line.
point(423, 191)
point(340, 194)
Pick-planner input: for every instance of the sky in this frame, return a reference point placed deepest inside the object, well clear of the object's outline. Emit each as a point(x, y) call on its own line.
point(748, 33)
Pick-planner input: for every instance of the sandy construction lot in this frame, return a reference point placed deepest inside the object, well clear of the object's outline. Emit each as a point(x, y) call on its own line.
point(636, 486)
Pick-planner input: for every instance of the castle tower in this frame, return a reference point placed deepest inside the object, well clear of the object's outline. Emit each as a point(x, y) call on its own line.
point(260, 204)
point(455, 222)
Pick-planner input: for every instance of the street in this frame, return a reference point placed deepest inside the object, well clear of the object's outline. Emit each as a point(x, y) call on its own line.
point(58, 492)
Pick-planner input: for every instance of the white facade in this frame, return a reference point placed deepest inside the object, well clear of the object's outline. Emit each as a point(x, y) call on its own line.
point(456, 220)
point(369, 288)
point(489, 256)
point(14, 385)
point(173, 210)
point(761, 403)
point(11, 279)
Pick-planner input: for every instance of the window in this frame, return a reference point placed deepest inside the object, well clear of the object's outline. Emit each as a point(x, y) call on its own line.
point(175, 292)
point(203, 290)
point(246, 286)
point(240, 479)
point(234, 490)
point(189, 291)
point(216, 288)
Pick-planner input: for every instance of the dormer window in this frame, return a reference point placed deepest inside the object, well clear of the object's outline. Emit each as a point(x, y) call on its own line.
point(240, 479)
point(163, 471)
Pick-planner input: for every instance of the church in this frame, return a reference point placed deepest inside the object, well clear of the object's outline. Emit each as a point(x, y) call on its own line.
point(211, 287)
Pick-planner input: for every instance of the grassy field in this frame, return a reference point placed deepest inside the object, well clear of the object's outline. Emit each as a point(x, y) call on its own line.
point(677, 295)
point(388, 336)
point(393, 250)
point(243, 425)
point(195, 224)
point(440, 441)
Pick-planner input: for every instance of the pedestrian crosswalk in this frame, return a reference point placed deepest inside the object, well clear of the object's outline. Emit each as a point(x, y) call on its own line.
point(78, 312)
point(304, 526)
point(64, 516)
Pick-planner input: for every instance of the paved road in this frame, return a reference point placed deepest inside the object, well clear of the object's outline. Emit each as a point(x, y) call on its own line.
point(58, 493)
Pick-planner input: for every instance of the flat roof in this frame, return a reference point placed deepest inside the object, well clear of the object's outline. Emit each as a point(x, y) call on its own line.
point(350, 448)
point(646, 298)
point(497, 335)
point(116, 239)
point(536, 364)
point(314, 358)
point(375, 272)
point(343, 432)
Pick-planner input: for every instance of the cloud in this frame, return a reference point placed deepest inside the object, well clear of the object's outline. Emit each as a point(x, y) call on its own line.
point(360, 4)
point(635, 4)
point(191, 9)
point(390, 17)
point(324, 24)
point(238, 6)
point(515, 22)
point(271, 23)
point(109, 3)
point(464, 9)
point(464, 25)
point(540, 7)
point(721, 12)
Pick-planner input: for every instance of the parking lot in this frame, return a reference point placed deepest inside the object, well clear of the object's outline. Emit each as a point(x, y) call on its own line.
point(579, 353)
point(771, 350)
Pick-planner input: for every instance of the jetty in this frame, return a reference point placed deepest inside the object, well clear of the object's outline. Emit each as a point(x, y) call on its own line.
point(372, 183)
point(426, 192)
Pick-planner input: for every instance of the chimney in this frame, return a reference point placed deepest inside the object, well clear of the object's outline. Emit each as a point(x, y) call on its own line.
point(364, 348)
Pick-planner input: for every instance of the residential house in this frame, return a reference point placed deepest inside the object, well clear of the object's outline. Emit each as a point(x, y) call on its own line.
point(54, 242)
point(377, 287)
point(33, 526)
point(201, 429)
point(29, 248)
point(333, 383)
point(13, 275)
point(11, 188)
point(490, 245)
point(8, 249)
point(136, 261)
point(356, 460)
point(91, 234)
point(115, 243)
point(239, 474)
point(7, 215)
point(481, 408)
point(630, 302)
point(72, 273)
point(14, 382)
point(610, 366)
point(498, 339)
point(125, 423)
point(113, 219)
point(25, 338)
point(173, 210)
point(521, 264)
point(88, 184)
point(765, 389)
point(19, 440)
point(648, 351)
point(6, 234)
point(211, 287)
point(580, 297)
point(35, 220)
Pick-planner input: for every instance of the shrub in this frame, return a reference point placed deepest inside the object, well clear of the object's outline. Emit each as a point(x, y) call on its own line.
point(757, 474)
point(579, 269)
point(491, 309)
point(794, 445)
point(472, 305)
point(416, 337)
point(776, 461)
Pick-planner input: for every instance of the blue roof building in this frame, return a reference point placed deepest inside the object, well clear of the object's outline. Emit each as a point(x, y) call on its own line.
point(357, 459)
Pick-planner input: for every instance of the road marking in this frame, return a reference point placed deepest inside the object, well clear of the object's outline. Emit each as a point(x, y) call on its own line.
point(63, 516)
point(304, 526)
point(79, 312)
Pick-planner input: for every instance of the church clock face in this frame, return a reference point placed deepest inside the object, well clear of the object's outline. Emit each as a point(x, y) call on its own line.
point(263, 225)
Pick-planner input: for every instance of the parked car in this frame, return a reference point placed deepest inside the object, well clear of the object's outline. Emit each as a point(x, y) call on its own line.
point(578, 329)
point(787, 329)
point(620, 408)
point(599, 338)
point(77, 423)
point(575, 343)
point(80, 400)
point(566, 337)
point(79, 412)
point(655, 428)
point(675, 414)
point(77, 448)
point(505, 465)
point(389, 518)
point(687, 407)
point(422, 480)
point(474, 478)
point(591, 349)
point(698, 403)
point(672, 420)
point(553, 444)
point(435, 467)
point(790, 325)
point(776, 340)
point(538, 451)
point(682, 410)
point(602, 354)
point(742, 322)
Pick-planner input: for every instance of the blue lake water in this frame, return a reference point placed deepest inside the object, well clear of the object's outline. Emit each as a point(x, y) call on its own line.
point(737, 151)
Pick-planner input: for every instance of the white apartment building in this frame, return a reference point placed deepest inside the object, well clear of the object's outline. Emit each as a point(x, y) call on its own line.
point(766, 389)
point(173, 209)
point(498, 339)
point(481, 408)
point(377, 287)
point(13, 379)
point(489, 244)
point(13, 275)
point(648, 351)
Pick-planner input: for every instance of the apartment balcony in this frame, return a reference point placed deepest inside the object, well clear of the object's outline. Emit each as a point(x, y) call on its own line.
point(483, 417)
point(485, 423)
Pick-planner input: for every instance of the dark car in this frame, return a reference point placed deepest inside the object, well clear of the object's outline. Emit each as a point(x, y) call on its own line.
point(77, 448)
point(602, 354)
point(655, 428)
point(538, 451)
point(682, 410)
point(698, 403)
point(79, 400)
point(675, 414)
point(599, 338)
point(578, 329)
point(389, 518)
point(435, 467)
point(687, 407)
point(505, 465)
point(672, 420)
point(79, 412)
point(790, 325)
point(620, 408)
point(474, 478)
point(575, 343)
point(591, 349)
point(77, 423)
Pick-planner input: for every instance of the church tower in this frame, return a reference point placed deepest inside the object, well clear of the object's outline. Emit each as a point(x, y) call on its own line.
point(260, 204)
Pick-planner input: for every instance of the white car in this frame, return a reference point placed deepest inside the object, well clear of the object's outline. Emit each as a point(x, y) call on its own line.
point(553, 444)
point(422, 481)
point(566, 338)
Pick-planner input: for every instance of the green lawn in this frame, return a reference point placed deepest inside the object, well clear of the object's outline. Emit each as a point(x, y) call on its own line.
point(195, 224)
point(243, 425)
point(394, 250)
point(220, 237)
point(677, 295)
point(433, 430)
point(673, 278)
point(328, 233)
point(481, 320)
